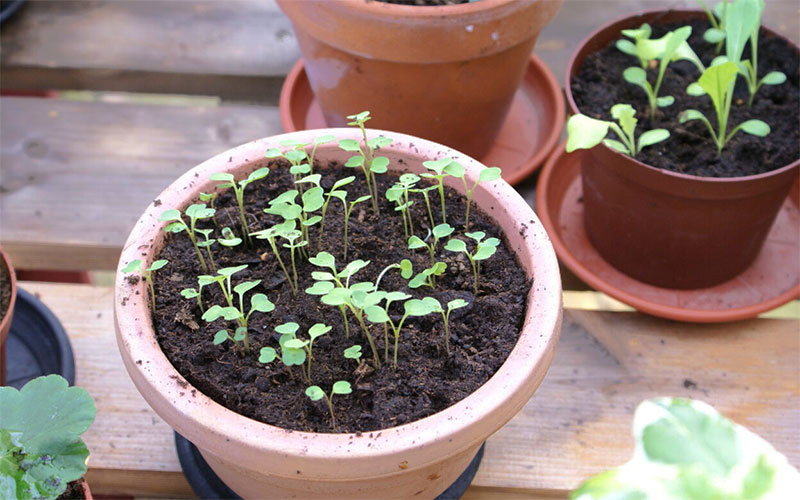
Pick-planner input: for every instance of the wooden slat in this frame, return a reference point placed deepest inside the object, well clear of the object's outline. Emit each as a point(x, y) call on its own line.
point(76, 176)
point(577, 424)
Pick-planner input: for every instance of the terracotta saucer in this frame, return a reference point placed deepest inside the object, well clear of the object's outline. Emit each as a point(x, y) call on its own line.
point(530, 132)
point(772, 280)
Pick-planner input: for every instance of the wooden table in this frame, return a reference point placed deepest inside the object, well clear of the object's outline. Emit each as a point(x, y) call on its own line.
point(75, 174)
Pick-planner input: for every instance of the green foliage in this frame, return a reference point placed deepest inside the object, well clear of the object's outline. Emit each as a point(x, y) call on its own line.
point(411, 308)
point(398, 194)
point(424, 192)
point(484, 249)
point(366, 159)
point(229, 239)
point(40, 446)
point(686, 450)
point(195, 212)
point(452, 305)
point(584, 132)
point(228, 181)
point(353, 352)
point(427, 277)
point(137, 266)
point(335, 191)
point(439, 232)
point(439, 169)
point(191, 293)
point(406, 271)
point(315, 393)
point(348, 209)
point(487, 175)
point(715, 34)
point(286, 230)
point(294, 350)
point(718, 82)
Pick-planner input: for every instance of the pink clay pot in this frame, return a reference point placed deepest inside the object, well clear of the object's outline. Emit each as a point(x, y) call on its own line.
point(420, 459)
point(5, 321)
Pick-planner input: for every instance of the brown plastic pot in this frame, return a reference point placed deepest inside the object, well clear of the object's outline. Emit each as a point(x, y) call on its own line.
point(446, 73)
point(416, 460)
point(5, 321)
point(669, 229)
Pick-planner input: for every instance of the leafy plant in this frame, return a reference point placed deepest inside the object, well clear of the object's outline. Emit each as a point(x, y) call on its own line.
point(195, 212)
point(716, 33)
point(428, 276)
point(718, 82)
point(338, 193)
point(229, 239)
point(191, 293)
point(584, 132)
point(487, 174)
point(282, 230)
point(348, 209)
point(206, 243)
point(398, 194)
point(315, 393)
point(366, 159)
point(354, 352)
point(285, 206)
point(686, 450)
point(439, 172)
point(424, 192)
point(291, 353)
point(484, 250)
point(406, 270)
point(439, 232)
point(41, 451)
point(452, 305)
point(137, 266)
point(228, 181)
point(210, 199)
point(411, 308)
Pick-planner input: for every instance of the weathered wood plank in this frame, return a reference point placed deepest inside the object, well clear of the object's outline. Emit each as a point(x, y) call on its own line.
point(577, 423)
point(75, 176)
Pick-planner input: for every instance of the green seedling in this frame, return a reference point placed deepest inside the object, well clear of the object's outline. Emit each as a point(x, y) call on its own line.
point(451, 306)
point(206, 243)
point(366, 159)
point(191, 293)
point(716, 33)
point(228, 181)
point(296, 156)
point(487, 175)
point(41, 450)
point(210, 199)
point(439, 232)
point(484, 249)
point(315, 393)
point(398, 194)
point(271, 234)
point(354, 352)
point(137, 266)
point(666, 49)
point(311, 199)
point(229, 239)
point(195, 212)
point(584, 132)
point(337, 192)
point(291, 354)
point(424, 192)
point(440, 171)
point(411, 308)
point(718, 81)
point(348, 209)
point(642, 33)
point(428, 276)
point(406, 271)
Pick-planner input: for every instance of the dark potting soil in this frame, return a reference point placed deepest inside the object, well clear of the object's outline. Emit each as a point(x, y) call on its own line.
point(426, 381)
point(74, 491)
point(5, 291)
point(690, 150)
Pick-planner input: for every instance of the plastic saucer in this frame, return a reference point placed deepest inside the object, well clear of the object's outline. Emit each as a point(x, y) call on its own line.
point(532, 128)
point(772, 280)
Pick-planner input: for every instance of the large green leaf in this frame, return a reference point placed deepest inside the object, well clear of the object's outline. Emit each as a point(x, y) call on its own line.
point(716, 80)
point(584, 132)
point(742, 17)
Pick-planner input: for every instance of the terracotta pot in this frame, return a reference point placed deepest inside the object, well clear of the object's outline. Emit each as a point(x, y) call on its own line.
point(445, 73)
point(87, 493)
point(419, 459)
point(664, 228)
point(5, 321)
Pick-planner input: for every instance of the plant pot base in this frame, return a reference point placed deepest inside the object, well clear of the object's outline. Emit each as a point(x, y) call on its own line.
point(37, 343)
point(531, 130)
point(207, 485)
point(772, 280)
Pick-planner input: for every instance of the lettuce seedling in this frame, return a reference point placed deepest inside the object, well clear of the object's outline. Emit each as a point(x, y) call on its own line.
point(293, 242)
point(210, 199)
point(228, 181)
point(191, 293)
point(228, 239)
point(406, 270)
point(334, 192)
point(584, 132)
point(716, 33)
point(137, 266)
point(428, 276)
point(195, 212)
point(440, 171)
point(311, 199)
point(271, 235)
point(424, 193)
point(354, 352)
point(206, 243)
point(366, 159)
point(315, 393)
point(291, 354)
point(411, 308)
point(718, 82)
point(302, 161)
point(666, 49)
point(41, 450)
point(398, 194)
point(436, 306)
point(439, 232)
point(348, 209)
point(487, 174)
point(484, 250)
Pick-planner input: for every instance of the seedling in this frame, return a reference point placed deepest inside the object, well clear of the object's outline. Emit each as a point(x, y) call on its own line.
point(271, 235)
point(424, 193)
point(334, 192)
point(41, 450)
point(584, 132)
point(354, 353)
point(439, 169)
point(487, 174)
point(206, 243)
point(191, 293)
point(398, 194)
point(348, 209)
point(147, 272)
point(210, 198)
point(484, 250)
point(717, 82)
point(406, 270)
point(315, 393)
point(291, 353)
point(195, 212)
point(285, 205)
point(428, 276)
point(411, 308)
point(238, 188)
point(294, 242)
point(716, 33)
point(451, 306)
point(439, 232)
point(666, 49)
point(366, 159)
point(229, 239)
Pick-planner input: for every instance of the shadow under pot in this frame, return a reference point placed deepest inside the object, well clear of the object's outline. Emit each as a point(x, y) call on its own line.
point(665, 228)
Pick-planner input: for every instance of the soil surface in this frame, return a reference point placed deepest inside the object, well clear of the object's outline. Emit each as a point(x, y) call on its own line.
point(426, 381)
point(690, 149)
point(73, 492)
point(5, 291)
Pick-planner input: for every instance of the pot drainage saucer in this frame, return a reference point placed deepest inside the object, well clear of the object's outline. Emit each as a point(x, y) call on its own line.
point(532, 128)
point(37, 343)
point(207, 485)
point(772, 280)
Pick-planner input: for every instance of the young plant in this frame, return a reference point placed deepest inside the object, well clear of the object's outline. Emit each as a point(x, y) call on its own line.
point(41, 450)
point(292, 354)
point(296, 156)
point(428, 276)
point(424, 192)
point(209, 199)
point(271, 235)
point(315, 393)
point(354, 352)
point(206, 243)
point(411, 308)
point(229, 239)
point(195, 212)
point(718, 82)
point(436, 306)
point(484, 250)
point(228, 181)
point(286, 206)
point(716, 33)
point(487, 174)
point(584, 132)
point(334, 192)
point(440, 171)
point(398, 194)
point(348, 209)
point(147, 272)
point(191, 293)
point(406, 270)
point(366, 159)
point(293, 242)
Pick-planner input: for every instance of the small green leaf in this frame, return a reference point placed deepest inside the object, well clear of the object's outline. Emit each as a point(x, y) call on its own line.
point(689, 115)
point(433, 304)
point(353, 352)
point(318, 329)
point(295, 344)
point(419, 279)
point(324, 139)
point(406, 268)
point(376, 314)
point(324, 259)
point(652, 137)
point(343, 182)
point(773, 78)
point(755, 127)
point(617, 146)
point(336, 297)
point(490, 174)
point(175, 227)
point(240, 334)
point(379, 142)
point(189, 293)
point(476, 235)
point(635, 75)
point(379, 165)
point(230, 271)
point(715, 81)
point(320, 288)
point(626, 47)
point(663, 102)
point(322, 276)
point(155, 266)
point(713, 35)
point(584, 132)
point(134, 265)
point(416, 307)
point(243, 288)
point(360, 199)
point(259, 302)
point(258, 174)
point(293, 357)
point(222, 176)
point(437, 165)
point(415, 242)
point(349, 145)
point(289, 328)
point(315, 393)
point(455, 169)
point(694, 89)
point(353, 267)
point(220, 337)
point(624, 114)
point(484, 252)
point(355, 162)
point(456, 245)
point(341, 387)
point(273, 153)
point(267, 355)
point(170, 214)
point(456, 304)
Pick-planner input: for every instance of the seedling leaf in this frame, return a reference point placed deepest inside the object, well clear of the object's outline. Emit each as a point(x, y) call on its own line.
point(341, 387)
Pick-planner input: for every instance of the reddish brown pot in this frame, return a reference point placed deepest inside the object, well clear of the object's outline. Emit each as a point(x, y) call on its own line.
point(664, 228)
point(5, 321)
point(447, 74)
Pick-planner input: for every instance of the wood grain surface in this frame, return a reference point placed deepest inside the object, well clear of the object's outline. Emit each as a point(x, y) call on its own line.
point(577, 423)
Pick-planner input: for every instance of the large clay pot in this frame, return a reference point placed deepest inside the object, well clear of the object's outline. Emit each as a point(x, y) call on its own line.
point(669, 229)
point(5, 321)
point(419, 459)
point(447, 73)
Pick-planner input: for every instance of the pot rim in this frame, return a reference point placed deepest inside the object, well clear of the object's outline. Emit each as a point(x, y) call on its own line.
point(5, 321)
point(198, 416)
point(378, 8)
point(571, 68)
